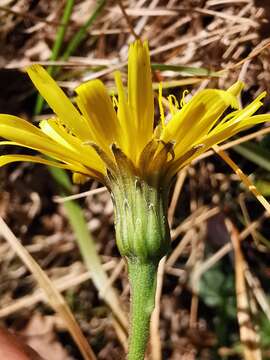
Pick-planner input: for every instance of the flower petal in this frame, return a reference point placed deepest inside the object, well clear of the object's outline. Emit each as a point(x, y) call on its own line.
point(197, 117)
point(96, 106)
point(19, 124)
point(81, 151)
point(22, 133)
point(236, 88)
point(140, 92)
point(242, 114)
point(84, 172)
point(58, 101)
point(7, 159)
point(223, 134)
point(124, 116)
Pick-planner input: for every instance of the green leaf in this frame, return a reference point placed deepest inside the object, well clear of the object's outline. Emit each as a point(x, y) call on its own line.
point(263, 186)
point(255, 153)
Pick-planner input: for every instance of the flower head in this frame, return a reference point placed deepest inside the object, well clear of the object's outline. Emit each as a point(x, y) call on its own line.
point(94, 140)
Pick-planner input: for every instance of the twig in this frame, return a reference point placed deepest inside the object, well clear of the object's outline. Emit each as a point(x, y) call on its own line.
point(248, 334)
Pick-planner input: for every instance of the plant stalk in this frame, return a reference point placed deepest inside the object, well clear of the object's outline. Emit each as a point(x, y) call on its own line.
point(142, 278)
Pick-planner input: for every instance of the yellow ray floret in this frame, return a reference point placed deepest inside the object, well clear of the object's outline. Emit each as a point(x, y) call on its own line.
point(140, 93)
point(101, 135)
point(96, 106)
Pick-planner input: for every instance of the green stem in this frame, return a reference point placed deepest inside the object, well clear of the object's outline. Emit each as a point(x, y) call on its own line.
point(142, 278)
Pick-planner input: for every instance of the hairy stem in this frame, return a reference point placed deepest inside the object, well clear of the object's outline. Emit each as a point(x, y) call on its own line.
point(143, 287)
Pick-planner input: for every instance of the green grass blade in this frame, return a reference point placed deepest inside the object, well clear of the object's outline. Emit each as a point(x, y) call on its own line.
point(87, 246)
point(263, 186)
point(56, 47)
point(80, 35)
point(255, 153)
point(187, 70)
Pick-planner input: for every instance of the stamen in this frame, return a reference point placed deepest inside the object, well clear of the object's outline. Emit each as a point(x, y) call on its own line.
point(161, 109)
point(62, 125)
point(79, 179)
point(183, 101)
point(173, 104)
point(157, 131)
point(115, 101)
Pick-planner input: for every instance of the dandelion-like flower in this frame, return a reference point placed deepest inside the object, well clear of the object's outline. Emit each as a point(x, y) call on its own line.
point(118, 143)
point(88, 141)
point(125, 149)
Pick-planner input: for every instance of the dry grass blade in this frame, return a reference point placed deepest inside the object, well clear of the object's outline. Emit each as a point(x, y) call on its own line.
point(61, 284)
point(62, 199)
point(259, 294)
point(224, 250)
point(247, 218)
point(129, 23)
point(225, 16)
point(194, 220)
point(55, 299)
point(122, 337)
point(177, 252)
point(147, 12)
point(177, 189)
point(253, 54)
point(232, 143)
point(27, 15)
point(248, 335)
point(156, 349)
point(243, 177)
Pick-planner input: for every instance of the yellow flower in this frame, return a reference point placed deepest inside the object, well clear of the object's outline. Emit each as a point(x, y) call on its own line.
point(132, 154)
point(90, 138)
